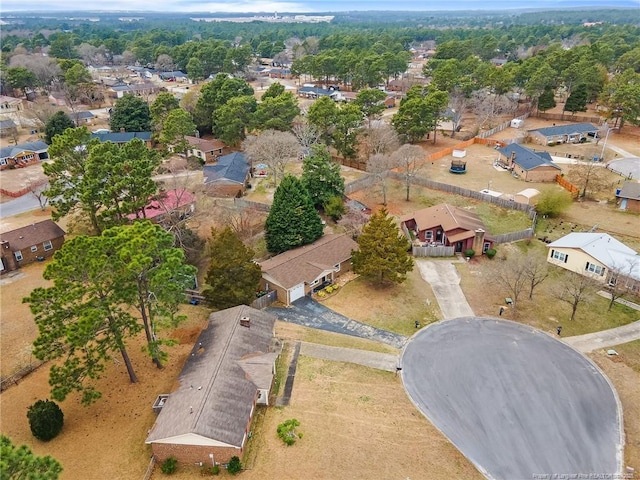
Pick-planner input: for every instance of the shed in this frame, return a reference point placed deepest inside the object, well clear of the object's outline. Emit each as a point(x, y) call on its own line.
point(526, 196)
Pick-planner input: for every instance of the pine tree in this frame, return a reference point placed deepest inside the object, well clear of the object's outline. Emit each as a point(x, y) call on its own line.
point(292, 220)
point(577, 101)
point(546, 100)
point(321, 176)
point(382, 254)
point(233, 276)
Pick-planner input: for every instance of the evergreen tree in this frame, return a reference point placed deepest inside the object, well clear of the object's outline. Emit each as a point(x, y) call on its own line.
point(577, 101)
point(546, 100)
point(292, 220)
point(382, 254)
point(321, 176)
point(233, 277)
point(20, 462)
point(56, 125)
point(45, 419)
point(132, 114)
point(164, 103)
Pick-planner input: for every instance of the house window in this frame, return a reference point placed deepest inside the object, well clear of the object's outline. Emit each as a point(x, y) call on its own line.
point(428, 235)
point(3, 161)
point(34, 248)
point(337, 267)
point(562, 257)
point(486, 247)
point(612, 281)
point(47, 245)
point(315, 282)
point(18, 255)
point(593, 268)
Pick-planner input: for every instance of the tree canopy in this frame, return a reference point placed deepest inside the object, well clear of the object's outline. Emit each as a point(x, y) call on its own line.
point(292, 220)
point(17, 463)
point(321, 176)
point(382, 254)
point(130, 113)
point(56, 125)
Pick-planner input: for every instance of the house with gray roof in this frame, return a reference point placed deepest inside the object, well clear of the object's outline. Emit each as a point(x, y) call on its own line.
point(82, 117)
point(23, 154)
point(228, 177)
point(123, 137)
point(599, 256)
point(298, 272)
point(572, 133)
point(315, 92)
point(629, 197)
point(228, 372)
point(529, 165)
point(8, 127)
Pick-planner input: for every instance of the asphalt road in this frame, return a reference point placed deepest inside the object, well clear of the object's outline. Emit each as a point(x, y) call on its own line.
point(22, 204)
point(515, 401)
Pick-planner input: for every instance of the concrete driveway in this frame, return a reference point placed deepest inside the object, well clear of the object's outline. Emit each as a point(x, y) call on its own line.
point(515, 401)
point(445, 283)
point(310, 313)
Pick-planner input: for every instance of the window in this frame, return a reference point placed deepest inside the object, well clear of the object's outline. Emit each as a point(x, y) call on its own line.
point(428, 235)
point(593, 268)
point(337, 267)
point(3, 161)
point(34, 248)
point(18, 255)
point(613, 280)
point(486, 247)
point(315, 282)
point(47, 245)
point(562, 257)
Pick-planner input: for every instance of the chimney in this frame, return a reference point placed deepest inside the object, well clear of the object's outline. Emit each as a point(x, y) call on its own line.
point(245, 321)
point(121, 129)
point(478, 241)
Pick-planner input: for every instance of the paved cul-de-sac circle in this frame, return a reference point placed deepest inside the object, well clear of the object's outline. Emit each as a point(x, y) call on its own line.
point(515, 401)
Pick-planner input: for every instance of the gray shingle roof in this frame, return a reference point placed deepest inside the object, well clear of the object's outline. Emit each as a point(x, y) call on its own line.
point(527, 159)
point(10, 152)
point(566, 129)
point(220, 380)
point(34, 234)
point(7, 124)
point(121, 137)
point(630, 190)
point(233, 167)
point(307, 263)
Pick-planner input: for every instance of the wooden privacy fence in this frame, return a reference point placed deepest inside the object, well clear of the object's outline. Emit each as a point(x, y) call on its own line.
point(573, 190)
point(513, 236)
point(437, 251)
point(265, 300)
point(500, 127)
point(361, 183)
point(568, 117)
point(243, 203)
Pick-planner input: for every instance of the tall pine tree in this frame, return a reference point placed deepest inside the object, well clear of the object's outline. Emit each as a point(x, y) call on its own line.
point(233, 276)
point(292, 220)
point(321, 176)
point(577, 101)
point(546, 100)
point(382, 254)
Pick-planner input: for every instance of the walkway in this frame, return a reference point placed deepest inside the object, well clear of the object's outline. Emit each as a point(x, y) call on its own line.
point(445, 283)
point(380, 361)
point(606, 338)
point(309, 313)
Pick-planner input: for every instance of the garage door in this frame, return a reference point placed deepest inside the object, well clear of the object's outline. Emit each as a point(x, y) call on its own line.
point(296, 292)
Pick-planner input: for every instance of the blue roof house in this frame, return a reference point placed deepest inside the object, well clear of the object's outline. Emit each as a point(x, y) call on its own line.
point(228, 177)
point(529, 165)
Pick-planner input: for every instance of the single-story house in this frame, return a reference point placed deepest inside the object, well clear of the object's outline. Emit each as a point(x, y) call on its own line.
point(8, 127)
point(82, 118)
point(599, 256)
point(448, 226)
point(300, 271)
point(629, 197)
point(120, 90)
point(123, 137)
point(10, 104)
point(207, 150)
point(229, 371)
point(404, 84)
point(228, 177)
point(179, 202)
point(572, 133)
point(528, 165)
point(277, 72)
point(25, 245)
point(174, 76)
point(23, 154)
point(315, 92)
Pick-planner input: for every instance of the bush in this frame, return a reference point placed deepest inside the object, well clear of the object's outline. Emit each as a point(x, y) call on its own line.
point(287, 431)
point(45, 419)
point(322, 294)
point(491, 253)
point(334, 208)
point(553, 202)
point(215, 470)
point(234, 466)
point(169, 466)
point(469, 252)
point(329, 289)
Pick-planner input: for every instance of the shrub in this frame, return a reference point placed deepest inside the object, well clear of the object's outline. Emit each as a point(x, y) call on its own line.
point(334, 208)
point(322, 294)
point(169, 466)
point(234, 466)
point(287, 431)
point(329, 289)
point(469, 252)
point(45, 419)
point(215, 470)
point(491, 253)
point(553, 202)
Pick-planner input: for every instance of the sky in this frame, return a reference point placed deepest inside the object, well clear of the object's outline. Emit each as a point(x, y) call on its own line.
point(299, 6)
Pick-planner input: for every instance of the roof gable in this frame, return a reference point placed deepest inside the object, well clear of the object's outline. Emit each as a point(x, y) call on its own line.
point(446, 216)
point(527, 159)
point(216, 396)
point(205, 145)
point(233, 166)
point(33, 234)
point(306, 263)
point(166, 202)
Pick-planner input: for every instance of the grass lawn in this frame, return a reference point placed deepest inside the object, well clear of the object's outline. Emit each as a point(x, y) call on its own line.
point(394, 308)
point(629, 353)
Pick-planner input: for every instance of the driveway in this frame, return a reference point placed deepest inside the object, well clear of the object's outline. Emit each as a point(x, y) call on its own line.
point(445, 283)
point(606, 338)
point(518, 403)
point(310, 313)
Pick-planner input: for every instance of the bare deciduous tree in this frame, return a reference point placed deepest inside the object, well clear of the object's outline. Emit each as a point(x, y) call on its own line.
point(457, 104)
point(37, 189)
point(381, 138)
point(408, 159)
point(511, 275)
point(307, 134)
point(488, 106)
point(353, 221)
point(46, 69)
point(379, 166)
point(536, 272)
point(576, 289)
point(619, 279)
point(164, 63)
point(273, 148)
point(588, 177)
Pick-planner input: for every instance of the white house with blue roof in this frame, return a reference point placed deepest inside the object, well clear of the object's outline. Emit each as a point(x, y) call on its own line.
point(529, 165)
point(599, 256)
point(572, 133)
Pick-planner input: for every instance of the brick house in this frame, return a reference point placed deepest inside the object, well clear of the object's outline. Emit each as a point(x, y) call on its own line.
point(229, 371)
point(26, 245)
point(300, 271)
point(629, 197)
point(448, 226)
point(228, 177)
point(572, 133)
point(529, 165)
point(207, 150)
point(23, 154)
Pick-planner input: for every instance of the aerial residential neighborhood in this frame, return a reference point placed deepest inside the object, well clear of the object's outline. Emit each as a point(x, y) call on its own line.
point(331, 242)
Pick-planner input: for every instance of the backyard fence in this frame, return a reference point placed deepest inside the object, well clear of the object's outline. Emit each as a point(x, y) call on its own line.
point(567, 117)
point(573, 190)
point(513, 236)
point(19, 375)
point(501, 127)
point(436, 251)
point(265, 300)
point(150, 467)
point(361, 183)
point(243, 203)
